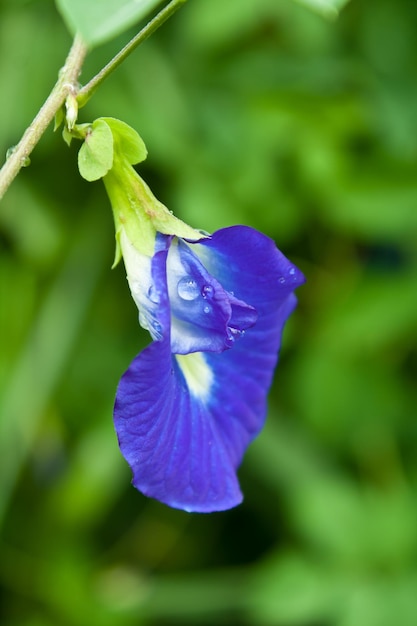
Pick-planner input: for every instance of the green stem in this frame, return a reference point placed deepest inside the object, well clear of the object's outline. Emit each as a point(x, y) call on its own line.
point(88, 90)
point(66, 83)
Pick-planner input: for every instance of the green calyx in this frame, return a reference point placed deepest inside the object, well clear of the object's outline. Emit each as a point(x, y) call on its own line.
point(109, 151)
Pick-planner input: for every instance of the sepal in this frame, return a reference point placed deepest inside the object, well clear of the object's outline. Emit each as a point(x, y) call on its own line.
point(95, 157)
point(59, 118)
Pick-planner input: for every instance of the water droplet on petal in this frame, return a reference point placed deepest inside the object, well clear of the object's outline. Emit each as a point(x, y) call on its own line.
point(187, 288)
point(151, 325)
point(156, 326)
point(153, 294)
point(207, 309)
point(291, 271)
point(207, 291)
point(234, 333)
point(281, 280)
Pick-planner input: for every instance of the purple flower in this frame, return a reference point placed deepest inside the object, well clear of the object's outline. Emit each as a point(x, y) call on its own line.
point(192, 401)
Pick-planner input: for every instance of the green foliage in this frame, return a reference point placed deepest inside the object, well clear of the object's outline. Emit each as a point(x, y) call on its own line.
point(301, 127)
point(329, 8)
point(101, 20)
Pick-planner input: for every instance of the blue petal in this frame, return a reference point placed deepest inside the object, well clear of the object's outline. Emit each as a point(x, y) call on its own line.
point(249, 264)
point(176, 451)
point(184, 422)
point(203, 314)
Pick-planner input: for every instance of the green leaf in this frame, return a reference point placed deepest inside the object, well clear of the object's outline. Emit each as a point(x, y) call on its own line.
point(100, 20)
point(59, 118)
point(328, 8)
point(127, 141)
point(95, 157)
point(66, 136)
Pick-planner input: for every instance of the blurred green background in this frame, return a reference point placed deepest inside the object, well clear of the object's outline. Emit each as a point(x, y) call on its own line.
point(259, 112)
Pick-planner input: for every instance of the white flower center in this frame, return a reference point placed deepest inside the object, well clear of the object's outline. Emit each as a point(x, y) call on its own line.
point(197, 374)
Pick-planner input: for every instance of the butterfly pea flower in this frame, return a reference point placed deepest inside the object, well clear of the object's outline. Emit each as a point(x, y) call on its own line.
point(215, 306)
point(192, 401)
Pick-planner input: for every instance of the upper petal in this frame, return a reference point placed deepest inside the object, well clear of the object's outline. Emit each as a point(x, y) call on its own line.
point(203, 313)
point(249, 264)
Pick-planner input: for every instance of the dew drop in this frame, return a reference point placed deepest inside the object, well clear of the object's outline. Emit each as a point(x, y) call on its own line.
point(153, 294)
point(291, 271)
point(281, 280)
point(156, 326)
point(156, 330)
point(207, 309)
point(207, 291)
point(187, 288)
point(232, 335)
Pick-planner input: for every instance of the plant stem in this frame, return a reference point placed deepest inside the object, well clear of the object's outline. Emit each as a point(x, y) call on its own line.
point(88, 90)
point(66, 83)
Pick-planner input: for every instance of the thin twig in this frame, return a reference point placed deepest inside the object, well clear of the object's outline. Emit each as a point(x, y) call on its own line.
point(66, 83)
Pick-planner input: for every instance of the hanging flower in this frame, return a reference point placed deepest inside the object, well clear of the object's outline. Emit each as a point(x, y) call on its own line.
point(215, 306)
point(191, 402)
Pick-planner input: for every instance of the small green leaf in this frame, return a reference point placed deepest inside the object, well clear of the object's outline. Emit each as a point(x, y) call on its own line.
point(95, 157)
point(59, 118)
point(66, 136)
point(100, 20)
point(127, 141)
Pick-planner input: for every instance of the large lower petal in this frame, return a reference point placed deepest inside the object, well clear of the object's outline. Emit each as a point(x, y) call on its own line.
point(177, 453)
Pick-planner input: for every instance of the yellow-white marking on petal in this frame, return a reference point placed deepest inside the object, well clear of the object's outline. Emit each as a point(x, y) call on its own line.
point(197, 373)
